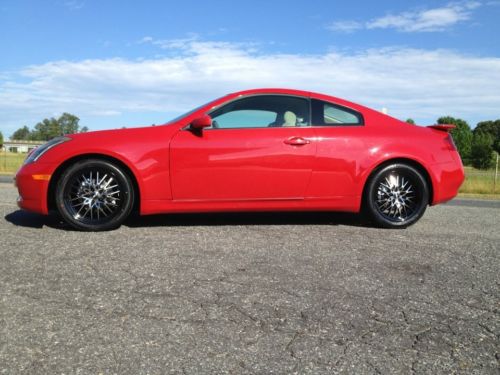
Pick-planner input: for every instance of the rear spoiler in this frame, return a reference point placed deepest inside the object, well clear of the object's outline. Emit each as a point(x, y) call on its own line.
point(443, 127)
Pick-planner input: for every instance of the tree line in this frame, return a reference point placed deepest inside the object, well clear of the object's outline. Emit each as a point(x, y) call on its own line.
point(476, 147)
point(49, 128)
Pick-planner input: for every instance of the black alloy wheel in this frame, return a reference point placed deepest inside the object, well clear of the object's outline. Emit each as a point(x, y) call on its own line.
point(94, 195)
point(397, 196)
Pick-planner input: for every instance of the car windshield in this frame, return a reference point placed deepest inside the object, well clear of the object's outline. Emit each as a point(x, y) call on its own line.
point(180, 117)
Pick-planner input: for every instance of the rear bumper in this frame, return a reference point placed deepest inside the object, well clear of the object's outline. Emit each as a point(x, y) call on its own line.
point(447, 179)
point(32, 182)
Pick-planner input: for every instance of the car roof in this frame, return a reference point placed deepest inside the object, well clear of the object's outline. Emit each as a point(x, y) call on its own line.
point(286, 91)
point(272, 90)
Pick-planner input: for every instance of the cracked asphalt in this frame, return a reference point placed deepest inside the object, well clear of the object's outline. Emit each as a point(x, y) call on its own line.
point(251, 293)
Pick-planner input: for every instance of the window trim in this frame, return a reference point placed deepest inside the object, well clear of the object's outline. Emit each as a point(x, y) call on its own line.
point(352, 111)
point(240, 97)
point(310, 99)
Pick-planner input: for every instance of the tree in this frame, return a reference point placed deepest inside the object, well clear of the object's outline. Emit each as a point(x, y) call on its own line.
point(462, 136)
point(46, 130)
point(21, 134)
point(1, 139)
point(493, 129)
point(68, 123)
point(50, 127)
point(410, 121)
point(482, 151)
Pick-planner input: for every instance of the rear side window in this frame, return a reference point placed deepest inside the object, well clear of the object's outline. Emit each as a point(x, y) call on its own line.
point(329, 114)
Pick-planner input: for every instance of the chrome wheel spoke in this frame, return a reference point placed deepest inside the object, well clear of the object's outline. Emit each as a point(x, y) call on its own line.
point(93, 196)
point(395, 197)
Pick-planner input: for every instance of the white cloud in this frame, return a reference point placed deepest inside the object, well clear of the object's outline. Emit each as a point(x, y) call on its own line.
point(437, 19)
point(74, 4)
point(181, 43)
point(146, 39)
point(414, 83)
point(345, 26)
point(424, 20)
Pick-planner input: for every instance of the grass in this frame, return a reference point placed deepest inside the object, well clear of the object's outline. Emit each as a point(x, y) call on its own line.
point(480, 196)
point(477, 183)
point(10, 162)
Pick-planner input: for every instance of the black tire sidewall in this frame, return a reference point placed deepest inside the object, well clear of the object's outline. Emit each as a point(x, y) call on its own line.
point(122, 178)
point(372, 209)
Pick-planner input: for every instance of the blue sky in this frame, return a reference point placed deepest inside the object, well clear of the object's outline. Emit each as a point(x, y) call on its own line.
point(121, 63)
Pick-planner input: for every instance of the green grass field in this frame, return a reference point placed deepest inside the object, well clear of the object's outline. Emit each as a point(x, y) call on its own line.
point(476, 182)
point(10, 162)
point(479, 182)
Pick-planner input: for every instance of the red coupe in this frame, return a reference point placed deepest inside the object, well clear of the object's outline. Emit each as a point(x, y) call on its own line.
point(255, 150)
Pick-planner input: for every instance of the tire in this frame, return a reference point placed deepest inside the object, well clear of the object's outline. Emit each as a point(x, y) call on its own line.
point(94, 195)
point(396, 196)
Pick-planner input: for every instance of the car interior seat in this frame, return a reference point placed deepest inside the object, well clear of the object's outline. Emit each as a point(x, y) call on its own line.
point(290, 119)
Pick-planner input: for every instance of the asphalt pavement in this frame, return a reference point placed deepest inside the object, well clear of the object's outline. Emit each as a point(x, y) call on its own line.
point(305, 293)
point(6, 178)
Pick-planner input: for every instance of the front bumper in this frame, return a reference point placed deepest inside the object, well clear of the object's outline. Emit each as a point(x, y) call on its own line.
point(32, 182)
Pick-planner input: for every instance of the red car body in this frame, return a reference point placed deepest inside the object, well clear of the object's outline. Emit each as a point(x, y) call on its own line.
point(253, 169)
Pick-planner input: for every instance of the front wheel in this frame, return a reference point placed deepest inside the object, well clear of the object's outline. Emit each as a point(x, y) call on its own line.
point(94, 195)
point(396, 196)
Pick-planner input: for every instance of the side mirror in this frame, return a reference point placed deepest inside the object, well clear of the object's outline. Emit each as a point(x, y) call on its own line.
point(201, 122)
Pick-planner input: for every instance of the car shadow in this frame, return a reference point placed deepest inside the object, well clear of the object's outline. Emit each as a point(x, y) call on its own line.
point(247, 218)
point(32, 220)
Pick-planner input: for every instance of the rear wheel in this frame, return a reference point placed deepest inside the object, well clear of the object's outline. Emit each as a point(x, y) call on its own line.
point(396, 196)
point(94, 195)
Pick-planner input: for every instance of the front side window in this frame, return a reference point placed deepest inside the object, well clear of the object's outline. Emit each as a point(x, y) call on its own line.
point(245, 118)
point(262, 111)
point(329, 114)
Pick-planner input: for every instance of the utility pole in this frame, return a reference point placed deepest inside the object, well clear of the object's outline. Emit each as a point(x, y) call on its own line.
point(496, 176)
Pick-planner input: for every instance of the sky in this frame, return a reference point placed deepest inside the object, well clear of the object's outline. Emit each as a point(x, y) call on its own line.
point(132, 63)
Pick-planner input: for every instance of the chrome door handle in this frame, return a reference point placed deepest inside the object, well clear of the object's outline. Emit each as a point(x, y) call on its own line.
point(297, 141)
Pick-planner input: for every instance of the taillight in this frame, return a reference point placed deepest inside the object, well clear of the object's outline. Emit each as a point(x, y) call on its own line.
point(451, 144)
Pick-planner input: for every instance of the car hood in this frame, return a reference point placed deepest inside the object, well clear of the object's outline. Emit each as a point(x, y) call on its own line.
point(121, 133)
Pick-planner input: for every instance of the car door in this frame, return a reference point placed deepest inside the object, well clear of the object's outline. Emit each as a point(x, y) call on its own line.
point(342, 145)
point(258, 148)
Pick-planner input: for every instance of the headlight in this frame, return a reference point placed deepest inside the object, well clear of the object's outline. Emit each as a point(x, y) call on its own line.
point(40, 150)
